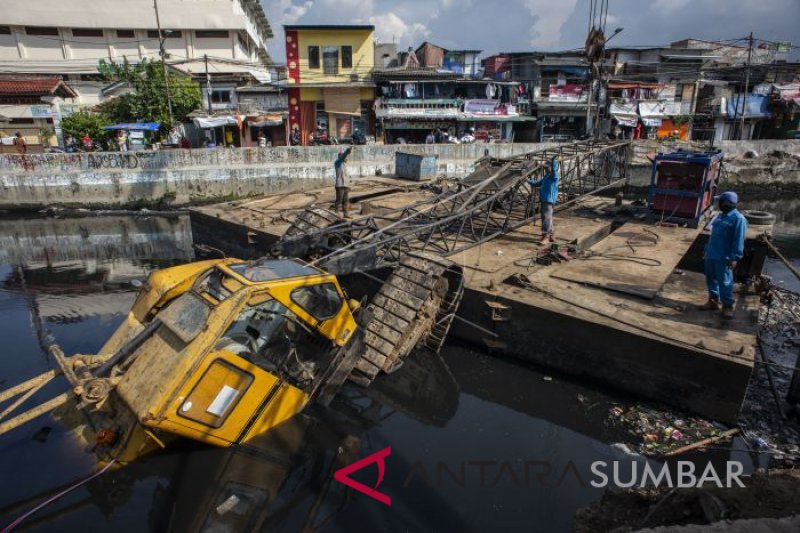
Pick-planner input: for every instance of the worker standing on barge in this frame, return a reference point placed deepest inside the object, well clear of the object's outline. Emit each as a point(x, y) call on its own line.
point(548, 196)
point(342, 182)
point(725, 247)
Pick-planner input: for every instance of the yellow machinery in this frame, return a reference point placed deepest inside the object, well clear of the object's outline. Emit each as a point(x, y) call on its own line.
point(217, 351)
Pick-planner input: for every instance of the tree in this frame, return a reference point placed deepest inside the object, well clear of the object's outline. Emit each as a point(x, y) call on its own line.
point(83, 123)
point(148, 100)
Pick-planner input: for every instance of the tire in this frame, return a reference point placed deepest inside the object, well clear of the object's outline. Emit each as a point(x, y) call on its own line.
point(759, 218)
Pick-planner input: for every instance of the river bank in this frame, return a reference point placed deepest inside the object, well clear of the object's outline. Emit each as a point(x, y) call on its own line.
point(169, 179)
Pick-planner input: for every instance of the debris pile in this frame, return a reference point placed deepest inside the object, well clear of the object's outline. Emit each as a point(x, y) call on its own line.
point(659, 432)
point(761, 418)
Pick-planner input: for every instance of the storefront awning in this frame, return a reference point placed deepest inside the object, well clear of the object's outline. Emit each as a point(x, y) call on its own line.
point(344, 101)
point(624, 113)
point(214, 122)
point(263, 121)
point(135, 126)
point(659, 110)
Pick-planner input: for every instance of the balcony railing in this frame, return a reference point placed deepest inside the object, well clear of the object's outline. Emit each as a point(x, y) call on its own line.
point(418, 107)
point(447, 107)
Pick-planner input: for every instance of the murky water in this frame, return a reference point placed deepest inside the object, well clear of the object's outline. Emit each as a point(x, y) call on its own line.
point(477, 443)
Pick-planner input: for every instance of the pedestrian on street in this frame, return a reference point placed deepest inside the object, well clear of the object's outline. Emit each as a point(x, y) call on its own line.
point(548, 197)
point(724, 249)
point(262, 140)
point(20, 144)
point(342, 182)
point(430, 139)
point(122, 141)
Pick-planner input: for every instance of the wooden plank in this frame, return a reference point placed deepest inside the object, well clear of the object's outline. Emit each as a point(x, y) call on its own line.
point(636, 259)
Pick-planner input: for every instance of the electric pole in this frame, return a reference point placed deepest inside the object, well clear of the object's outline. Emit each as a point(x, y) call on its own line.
point(163, 54)
point(746, 84)
point(208, 84)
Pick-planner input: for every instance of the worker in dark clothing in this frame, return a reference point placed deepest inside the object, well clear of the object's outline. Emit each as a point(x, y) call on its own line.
point(548, 196)
point(725, 247)
point(342, 182)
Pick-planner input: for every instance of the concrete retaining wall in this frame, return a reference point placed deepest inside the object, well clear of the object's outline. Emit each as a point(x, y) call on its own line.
point(180, 177)
point(768, 166)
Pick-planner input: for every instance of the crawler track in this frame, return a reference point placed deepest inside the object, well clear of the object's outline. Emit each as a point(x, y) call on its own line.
point(414, 307)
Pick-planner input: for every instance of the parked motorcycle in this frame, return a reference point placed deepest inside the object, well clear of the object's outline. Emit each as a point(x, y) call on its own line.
point(321, 137)
point(359, 137)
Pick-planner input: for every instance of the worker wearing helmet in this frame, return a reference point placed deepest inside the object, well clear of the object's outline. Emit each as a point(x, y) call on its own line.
point(725, 247)
point(548, 196)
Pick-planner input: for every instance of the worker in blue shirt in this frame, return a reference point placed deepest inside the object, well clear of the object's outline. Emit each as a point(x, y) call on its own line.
point(548, 196)
point(725, 247)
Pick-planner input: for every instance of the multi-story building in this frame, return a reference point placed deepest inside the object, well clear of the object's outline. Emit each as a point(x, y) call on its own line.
point(416, 100)
point(67, 39)
point(329, 79)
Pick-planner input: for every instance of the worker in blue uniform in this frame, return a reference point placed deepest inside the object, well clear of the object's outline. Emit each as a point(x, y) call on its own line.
point(725, 247)
point(548, 197)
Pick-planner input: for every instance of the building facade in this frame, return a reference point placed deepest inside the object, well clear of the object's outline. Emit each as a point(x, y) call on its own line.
point(67, 39)
point(329, 80)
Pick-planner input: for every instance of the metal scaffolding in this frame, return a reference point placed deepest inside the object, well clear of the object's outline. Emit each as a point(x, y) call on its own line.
point(491, 201)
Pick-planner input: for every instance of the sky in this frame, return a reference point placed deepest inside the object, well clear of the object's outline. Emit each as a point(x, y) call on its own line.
point(523, 25)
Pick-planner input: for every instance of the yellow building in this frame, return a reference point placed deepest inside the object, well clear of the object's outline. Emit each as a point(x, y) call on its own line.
point(329, 79)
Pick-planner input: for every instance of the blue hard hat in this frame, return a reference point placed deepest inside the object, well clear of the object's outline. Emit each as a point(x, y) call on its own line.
point(729, 197)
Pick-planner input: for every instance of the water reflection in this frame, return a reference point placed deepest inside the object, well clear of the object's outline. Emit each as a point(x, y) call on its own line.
point(477, 443)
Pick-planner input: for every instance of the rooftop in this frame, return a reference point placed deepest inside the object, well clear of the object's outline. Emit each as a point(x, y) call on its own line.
point(35, 87)
point(339, 27)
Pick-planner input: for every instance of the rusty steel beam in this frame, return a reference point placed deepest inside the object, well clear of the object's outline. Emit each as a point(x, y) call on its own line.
point(494, 199)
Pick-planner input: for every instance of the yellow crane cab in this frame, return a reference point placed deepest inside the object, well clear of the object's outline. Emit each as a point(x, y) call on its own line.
point(219, 352)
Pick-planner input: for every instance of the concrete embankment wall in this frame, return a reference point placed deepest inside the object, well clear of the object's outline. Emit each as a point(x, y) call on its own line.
point(180, 177)
point(765, 166)
point(177, 177)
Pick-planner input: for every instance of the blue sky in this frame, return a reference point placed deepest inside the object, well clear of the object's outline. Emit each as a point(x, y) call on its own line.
point(521, 25)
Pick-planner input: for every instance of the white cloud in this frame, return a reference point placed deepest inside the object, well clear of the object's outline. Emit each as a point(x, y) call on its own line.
point(390, 27)
point(286, 11)
point(550, 17)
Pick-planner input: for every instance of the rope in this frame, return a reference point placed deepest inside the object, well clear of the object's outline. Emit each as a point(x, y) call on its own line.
point(785, 261)
point(50, 500)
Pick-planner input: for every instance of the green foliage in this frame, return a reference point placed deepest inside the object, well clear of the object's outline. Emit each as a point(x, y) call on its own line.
point(84, 123)
point(45, 133)
point(680, 120)
point(148, 100)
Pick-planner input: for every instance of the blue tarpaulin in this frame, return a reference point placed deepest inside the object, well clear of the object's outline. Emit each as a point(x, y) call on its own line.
point(757, 106)
point(135, 126)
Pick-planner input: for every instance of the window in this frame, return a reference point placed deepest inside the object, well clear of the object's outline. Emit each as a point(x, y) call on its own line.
point(313, 57)
point(320, 301)
point(126, 34)
point(86, 32)
point(216, 394)
point(220, 97)
point(168, 34)
point(347, 57)
point(41, 30)
point(5, 30)
point(330, 60)
point(211, 34)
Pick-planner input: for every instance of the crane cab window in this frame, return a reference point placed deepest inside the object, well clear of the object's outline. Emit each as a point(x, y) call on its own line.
point(320, 301)
point(270, 336)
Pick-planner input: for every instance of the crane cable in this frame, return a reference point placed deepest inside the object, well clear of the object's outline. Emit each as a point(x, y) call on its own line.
point(50, 500)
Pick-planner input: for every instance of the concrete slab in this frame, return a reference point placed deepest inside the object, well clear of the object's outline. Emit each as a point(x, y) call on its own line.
point(660, 348)
point(636, 259)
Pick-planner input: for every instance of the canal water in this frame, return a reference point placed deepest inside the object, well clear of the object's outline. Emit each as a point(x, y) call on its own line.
point(475, 443)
